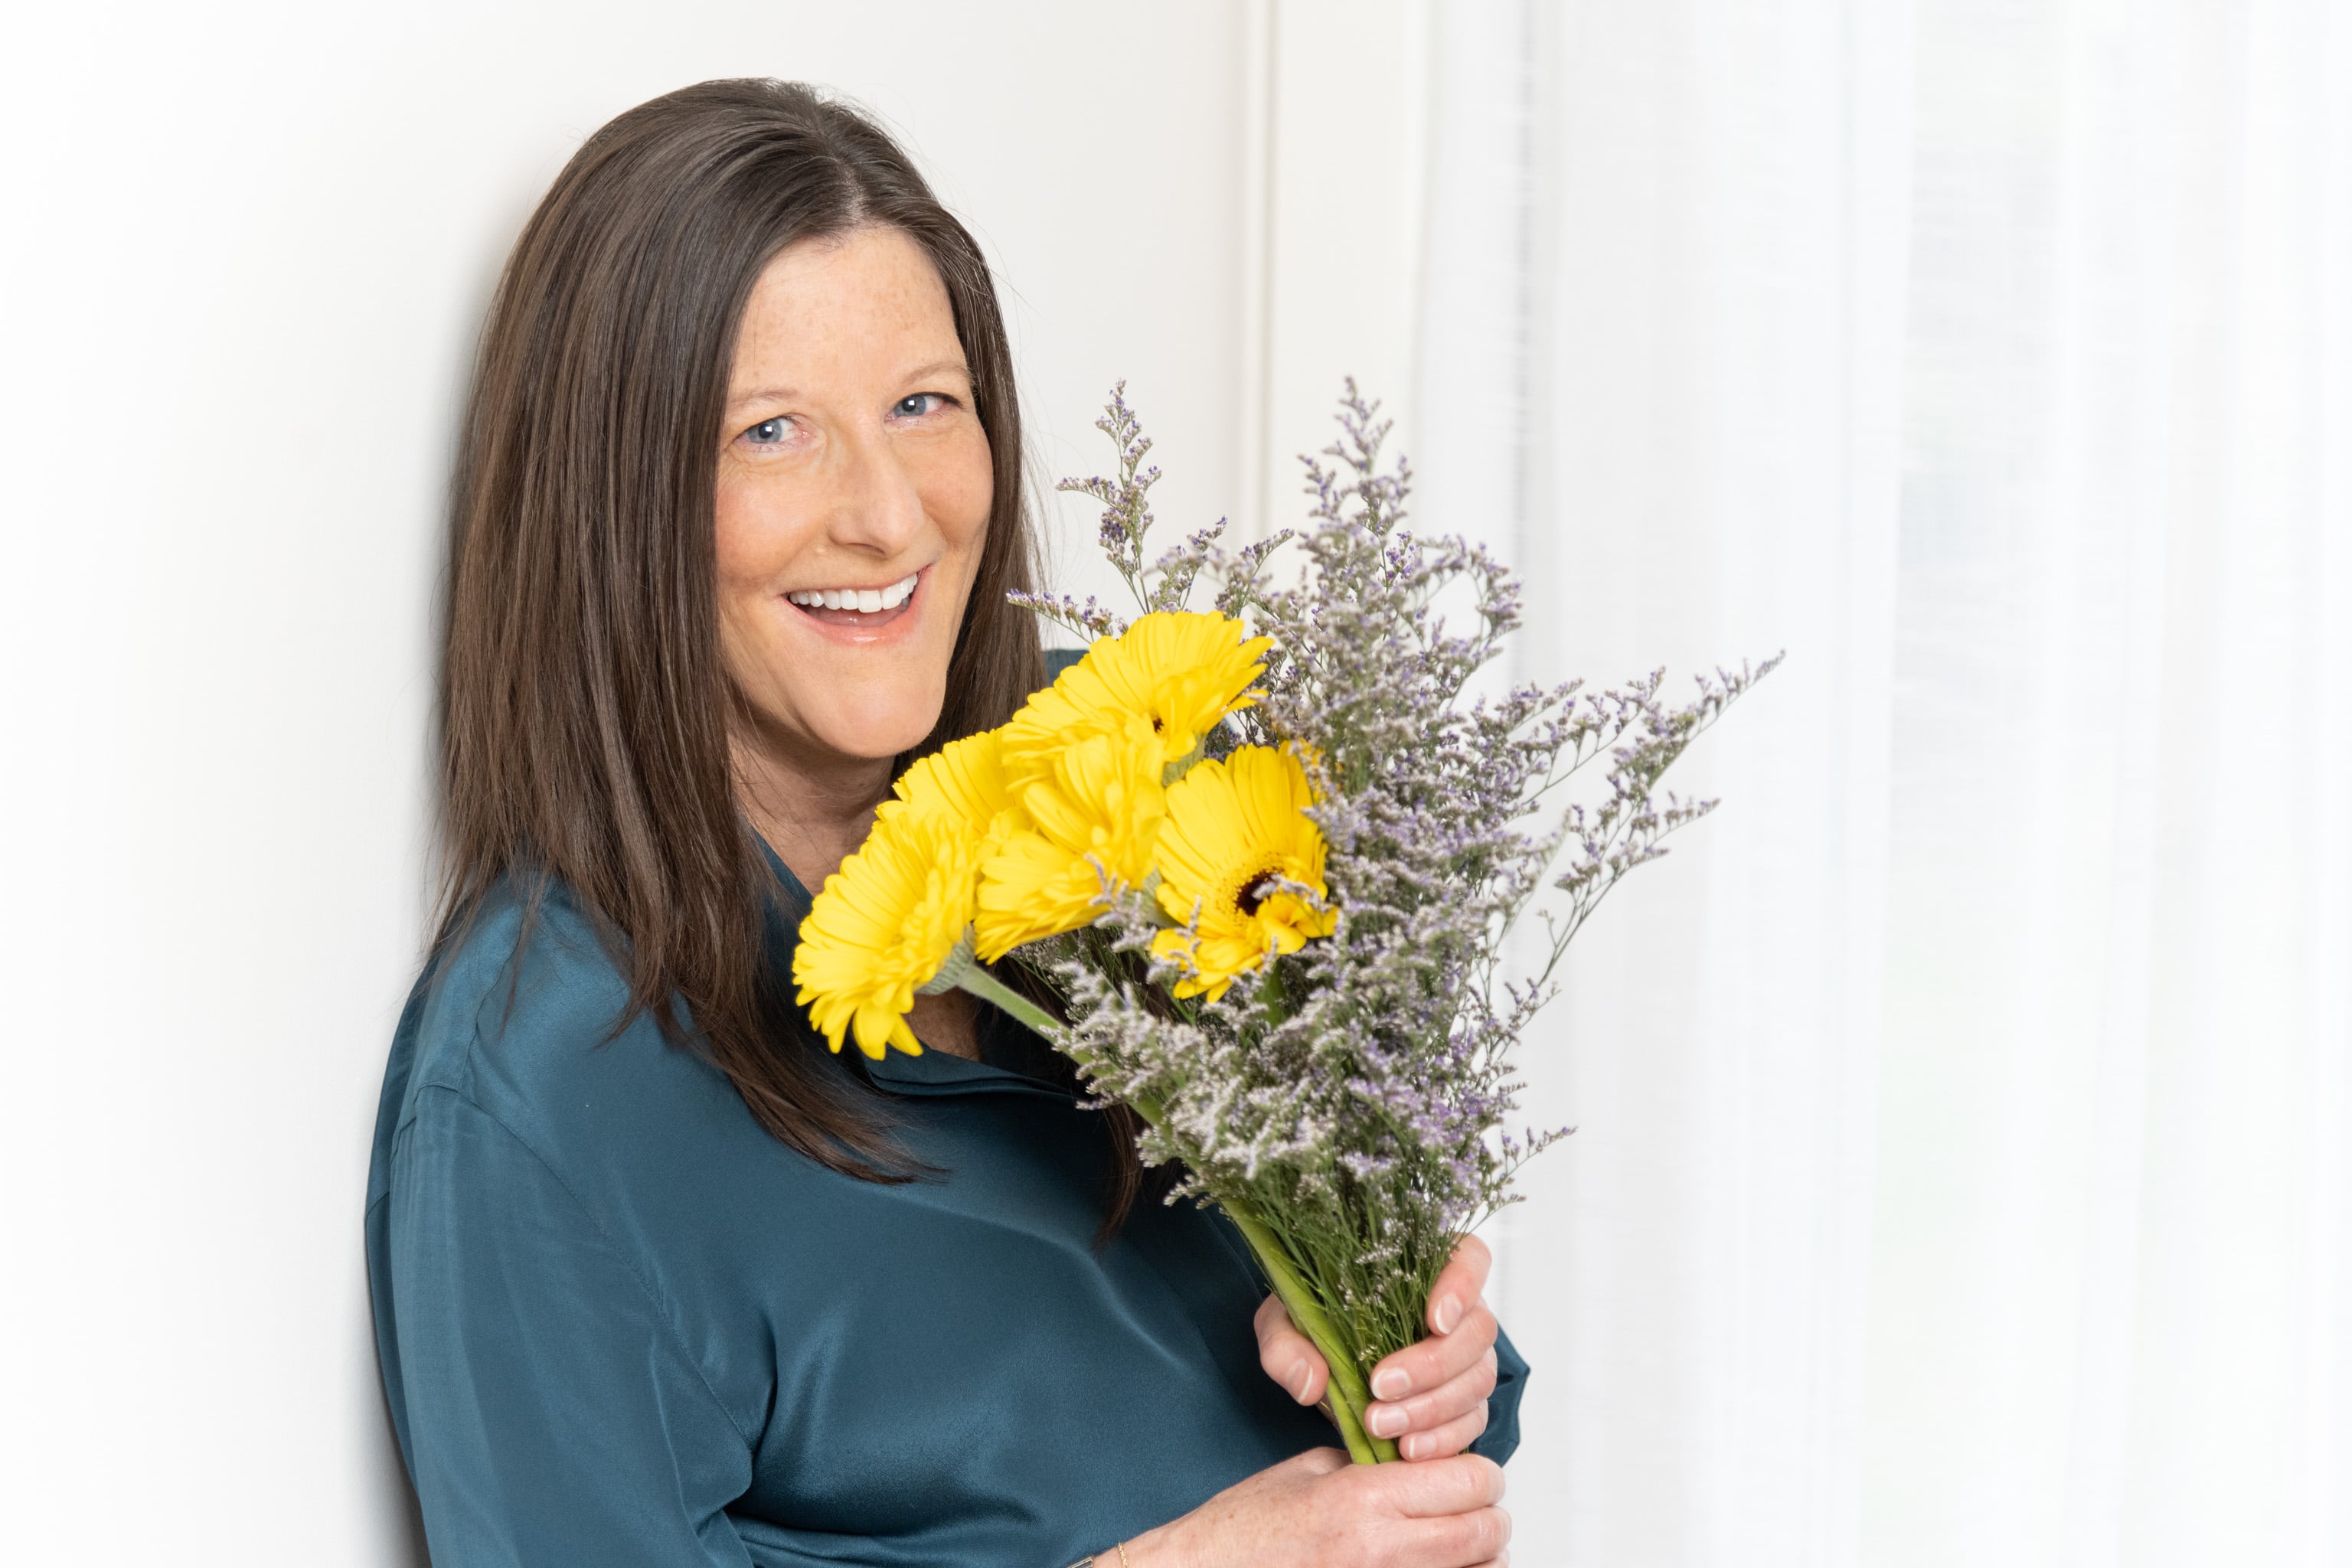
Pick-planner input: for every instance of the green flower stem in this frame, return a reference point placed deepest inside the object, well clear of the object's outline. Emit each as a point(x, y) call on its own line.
point(1348, 1395)
point(986, 986)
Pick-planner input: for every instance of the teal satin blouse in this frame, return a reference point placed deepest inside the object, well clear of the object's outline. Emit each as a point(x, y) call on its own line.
point(620, 1324)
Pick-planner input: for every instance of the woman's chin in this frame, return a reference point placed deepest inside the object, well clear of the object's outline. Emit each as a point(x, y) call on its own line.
point(876, 732)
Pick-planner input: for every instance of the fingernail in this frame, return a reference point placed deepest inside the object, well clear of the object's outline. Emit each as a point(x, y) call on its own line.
point(1301, 1379)
point(1386, 1421)
point(1449, 1313)
point(1391, 1383)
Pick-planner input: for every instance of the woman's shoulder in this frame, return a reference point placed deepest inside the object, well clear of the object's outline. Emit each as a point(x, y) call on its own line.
point(522, 975)
point(523, 1014)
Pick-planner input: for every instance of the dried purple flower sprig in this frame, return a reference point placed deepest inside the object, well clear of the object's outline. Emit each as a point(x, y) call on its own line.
point(1348, 1110)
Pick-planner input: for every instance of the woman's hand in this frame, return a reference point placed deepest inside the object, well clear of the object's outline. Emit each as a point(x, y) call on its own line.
point(1431, 1396)
point(1317, 1511)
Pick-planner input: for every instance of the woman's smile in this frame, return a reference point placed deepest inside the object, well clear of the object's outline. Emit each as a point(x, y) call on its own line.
point(859, 609)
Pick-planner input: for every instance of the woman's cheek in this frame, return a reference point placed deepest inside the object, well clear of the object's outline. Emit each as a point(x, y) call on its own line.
point(754, 537)
point(962, 485)
point(965, 518)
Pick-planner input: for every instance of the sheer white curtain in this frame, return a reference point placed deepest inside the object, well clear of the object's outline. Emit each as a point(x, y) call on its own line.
point(1961, 1174)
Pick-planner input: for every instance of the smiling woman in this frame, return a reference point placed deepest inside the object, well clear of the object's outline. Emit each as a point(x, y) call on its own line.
point(658, 1278)
point(625, 717)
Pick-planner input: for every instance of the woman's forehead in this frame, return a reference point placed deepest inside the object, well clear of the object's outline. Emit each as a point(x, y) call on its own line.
point(865, 304)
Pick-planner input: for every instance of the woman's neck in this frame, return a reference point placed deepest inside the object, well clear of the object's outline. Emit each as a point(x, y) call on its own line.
point(812, 813)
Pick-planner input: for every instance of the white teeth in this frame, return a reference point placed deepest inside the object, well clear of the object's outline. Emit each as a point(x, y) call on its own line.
point(868, 601)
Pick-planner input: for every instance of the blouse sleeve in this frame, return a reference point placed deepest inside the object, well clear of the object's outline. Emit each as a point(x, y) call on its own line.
point(1501, 1438)
point(552, 1415)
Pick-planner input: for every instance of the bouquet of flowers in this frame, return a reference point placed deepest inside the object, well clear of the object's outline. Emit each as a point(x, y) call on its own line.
point(1265, 856)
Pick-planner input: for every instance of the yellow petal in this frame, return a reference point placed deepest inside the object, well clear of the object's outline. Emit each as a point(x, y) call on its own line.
point(1177, 672)
point(883, 925)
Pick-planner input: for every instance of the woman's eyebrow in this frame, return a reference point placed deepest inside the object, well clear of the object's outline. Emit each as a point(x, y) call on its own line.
point(763, 394)
point(787, 393)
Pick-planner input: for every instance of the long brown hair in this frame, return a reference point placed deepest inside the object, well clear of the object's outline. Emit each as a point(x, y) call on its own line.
point(584, 698)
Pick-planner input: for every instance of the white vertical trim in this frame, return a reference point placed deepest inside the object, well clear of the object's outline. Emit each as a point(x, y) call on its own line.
point(1339, 214)
point(1417, 27)
point(1258, 189)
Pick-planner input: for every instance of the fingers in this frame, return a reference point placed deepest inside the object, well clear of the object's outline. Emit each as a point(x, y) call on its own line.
point(1288, 1356)
point(1424, 1413)
point(1430, 1397)
point(1446, 1440)
point(1459, 1284)
point(1431, 1364)
point(1453, 1506)
point(1438, 1488)
point(1481, 1537)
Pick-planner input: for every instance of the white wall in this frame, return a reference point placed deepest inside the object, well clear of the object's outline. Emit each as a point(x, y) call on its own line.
point(246, 249)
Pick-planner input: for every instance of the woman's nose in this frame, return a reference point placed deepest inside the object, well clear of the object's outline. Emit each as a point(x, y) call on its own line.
point(880, 504)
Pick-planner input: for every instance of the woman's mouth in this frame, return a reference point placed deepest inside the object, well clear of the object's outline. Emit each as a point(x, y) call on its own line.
point(857, 606)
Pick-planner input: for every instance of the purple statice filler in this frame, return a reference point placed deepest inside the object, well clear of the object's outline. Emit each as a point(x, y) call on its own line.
point(1355, 1097)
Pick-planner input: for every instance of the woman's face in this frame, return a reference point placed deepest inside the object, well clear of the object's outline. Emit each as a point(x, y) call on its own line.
point(854, 491)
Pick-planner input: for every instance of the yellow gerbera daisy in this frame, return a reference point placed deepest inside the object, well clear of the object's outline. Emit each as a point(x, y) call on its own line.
point(1179, 671)
point(1093, 815)
point(964, 782)
point(882, 927)
point(1232, 828)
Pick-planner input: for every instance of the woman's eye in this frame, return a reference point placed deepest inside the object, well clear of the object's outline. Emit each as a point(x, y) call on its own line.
point(918, 405)
point(768, 432)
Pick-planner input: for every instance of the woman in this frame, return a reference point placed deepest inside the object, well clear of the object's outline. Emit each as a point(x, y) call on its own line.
point(658, 1281)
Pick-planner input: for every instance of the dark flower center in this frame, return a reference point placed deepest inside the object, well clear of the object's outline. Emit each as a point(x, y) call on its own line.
point(1259, 886)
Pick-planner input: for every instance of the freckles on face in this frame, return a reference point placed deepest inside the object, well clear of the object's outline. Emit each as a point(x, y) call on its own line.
point(853, 486)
